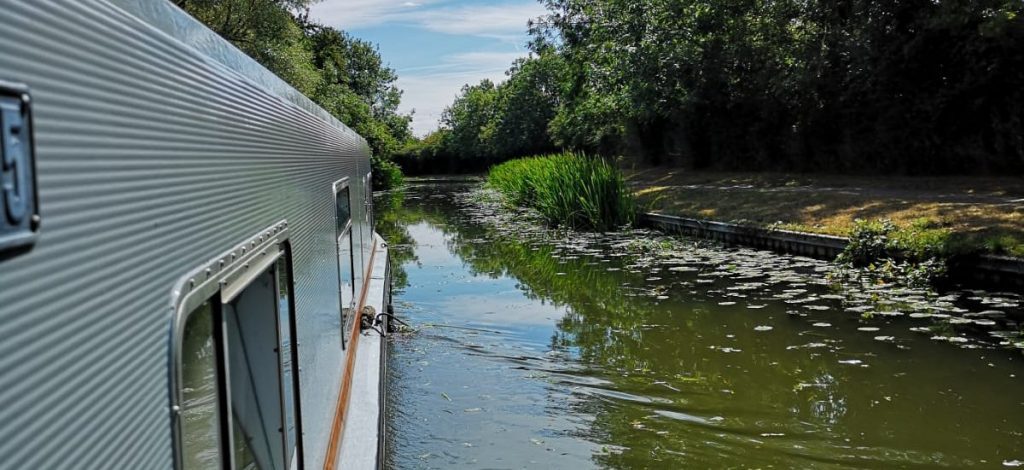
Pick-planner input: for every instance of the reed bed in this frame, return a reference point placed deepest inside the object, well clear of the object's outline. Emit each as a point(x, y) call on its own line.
point(570, 189)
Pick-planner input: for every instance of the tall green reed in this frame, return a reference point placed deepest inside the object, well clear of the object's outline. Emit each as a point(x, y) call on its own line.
point(570, 189)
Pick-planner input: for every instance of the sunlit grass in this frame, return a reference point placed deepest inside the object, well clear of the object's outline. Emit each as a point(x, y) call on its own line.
point(833, 205)
point(569, 189)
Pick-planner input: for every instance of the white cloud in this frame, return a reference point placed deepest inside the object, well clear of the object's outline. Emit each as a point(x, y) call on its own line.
point(346, 14)
point(502, 21)
point(479, 60)
point(429, 90)
point(505, 20)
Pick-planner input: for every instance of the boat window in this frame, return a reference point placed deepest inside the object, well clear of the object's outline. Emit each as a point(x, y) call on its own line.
point(344, 208)
point(238, 380)
point(200, 422)
point(346, 268)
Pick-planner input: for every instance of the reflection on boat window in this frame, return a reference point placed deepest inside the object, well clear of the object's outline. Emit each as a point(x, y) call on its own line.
point(346, 268)
point(344, 209)
point(347, 271)
point(200, 425)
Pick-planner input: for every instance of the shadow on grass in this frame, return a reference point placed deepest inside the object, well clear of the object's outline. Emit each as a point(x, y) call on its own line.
point(990, 227)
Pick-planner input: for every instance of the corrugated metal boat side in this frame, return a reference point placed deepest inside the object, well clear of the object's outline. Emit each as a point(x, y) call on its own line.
point(151, 158)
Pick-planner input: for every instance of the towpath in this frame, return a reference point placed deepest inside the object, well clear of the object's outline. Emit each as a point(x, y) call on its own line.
point(985, 211)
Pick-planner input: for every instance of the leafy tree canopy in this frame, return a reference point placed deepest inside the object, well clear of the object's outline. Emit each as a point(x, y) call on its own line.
point(912, 86)
point(344, 75)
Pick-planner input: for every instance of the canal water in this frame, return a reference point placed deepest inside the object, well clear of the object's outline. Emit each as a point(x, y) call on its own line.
point(534, 348)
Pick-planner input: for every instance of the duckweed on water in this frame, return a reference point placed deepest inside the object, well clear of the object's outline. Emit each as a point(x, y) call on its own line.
point(701, 265)
point(589, 368)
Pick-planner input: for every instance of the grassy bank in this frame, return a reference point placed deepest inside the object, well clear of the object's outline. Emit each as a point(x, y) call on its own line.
point(568, 189)
point(967, 213)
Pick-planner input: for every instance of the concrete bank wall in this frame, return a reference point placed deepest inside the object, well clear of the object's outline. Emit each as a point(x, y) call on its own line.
point(1001, 270)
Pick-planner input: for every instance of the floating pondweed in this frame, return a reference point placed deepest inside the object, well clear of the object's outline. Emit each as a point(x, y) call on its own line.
point(628, 345)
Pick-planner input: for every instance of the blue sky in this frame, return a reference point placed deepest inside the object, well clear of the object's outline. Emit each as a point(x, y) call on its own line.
point(436, 46)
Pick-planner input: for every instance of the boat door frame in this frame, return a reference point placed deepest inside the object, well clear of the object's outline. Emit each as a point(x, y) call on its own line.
point(221, 280)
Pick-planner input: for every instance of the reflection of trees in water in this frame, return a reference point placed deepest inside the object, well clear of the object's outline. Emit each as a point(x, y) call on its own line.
point(390, 225)
point(392, 218)
point(656, 353)
point(638, 357)
point(395, 211)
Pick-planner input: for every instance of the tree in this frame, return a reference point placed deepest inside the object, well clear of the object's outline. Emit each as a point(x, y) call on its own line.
point(344, 75)
point(524, 106)
point(359, 89)
point(470, 123)
point(859, 85)
point(266, 30)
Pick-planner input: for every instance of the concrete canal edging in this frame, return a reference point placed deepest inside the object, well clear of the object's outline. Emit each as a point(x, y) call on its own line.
point(987, 268)
point(784, 241)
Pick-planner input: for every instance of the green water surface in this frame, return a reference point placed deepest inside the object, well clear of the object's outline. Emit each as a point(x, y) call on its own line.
point(544, 349)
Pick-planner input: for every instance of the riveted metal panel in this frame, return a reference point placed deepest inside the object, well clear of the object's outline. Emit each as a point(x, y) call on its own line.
point(158, 147)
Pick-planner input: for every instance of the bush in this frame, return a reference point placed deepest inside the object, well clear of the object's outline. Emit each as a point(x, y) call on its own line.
point(878, 240)
point(385, 174)
point(570, 189)
point(916, 255)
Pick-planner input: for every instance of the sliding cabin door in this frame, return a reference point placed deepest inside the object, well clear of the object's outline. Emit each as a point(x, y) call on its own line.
point(239, 406)
point(252, 333)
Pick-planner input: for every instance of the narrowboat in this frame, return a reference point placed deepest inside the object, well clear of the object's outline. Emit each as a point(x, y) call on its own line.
point(189, 274)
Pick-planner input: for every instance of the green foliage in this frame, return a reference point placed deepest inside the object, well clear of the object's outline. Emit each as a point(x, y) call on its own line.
point(568, 189)
point(1004, 244)
point(429, 155)
point(913, 86)
point(860, 85)
point(470, 122)
point(915, 255)
point(266, 30)
point(344, 75)
point(386, 174)
point(526, 103)
point(870, 242)
point(488, 123)
point(358, 88)
point(873, 241)
point(869, 86)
